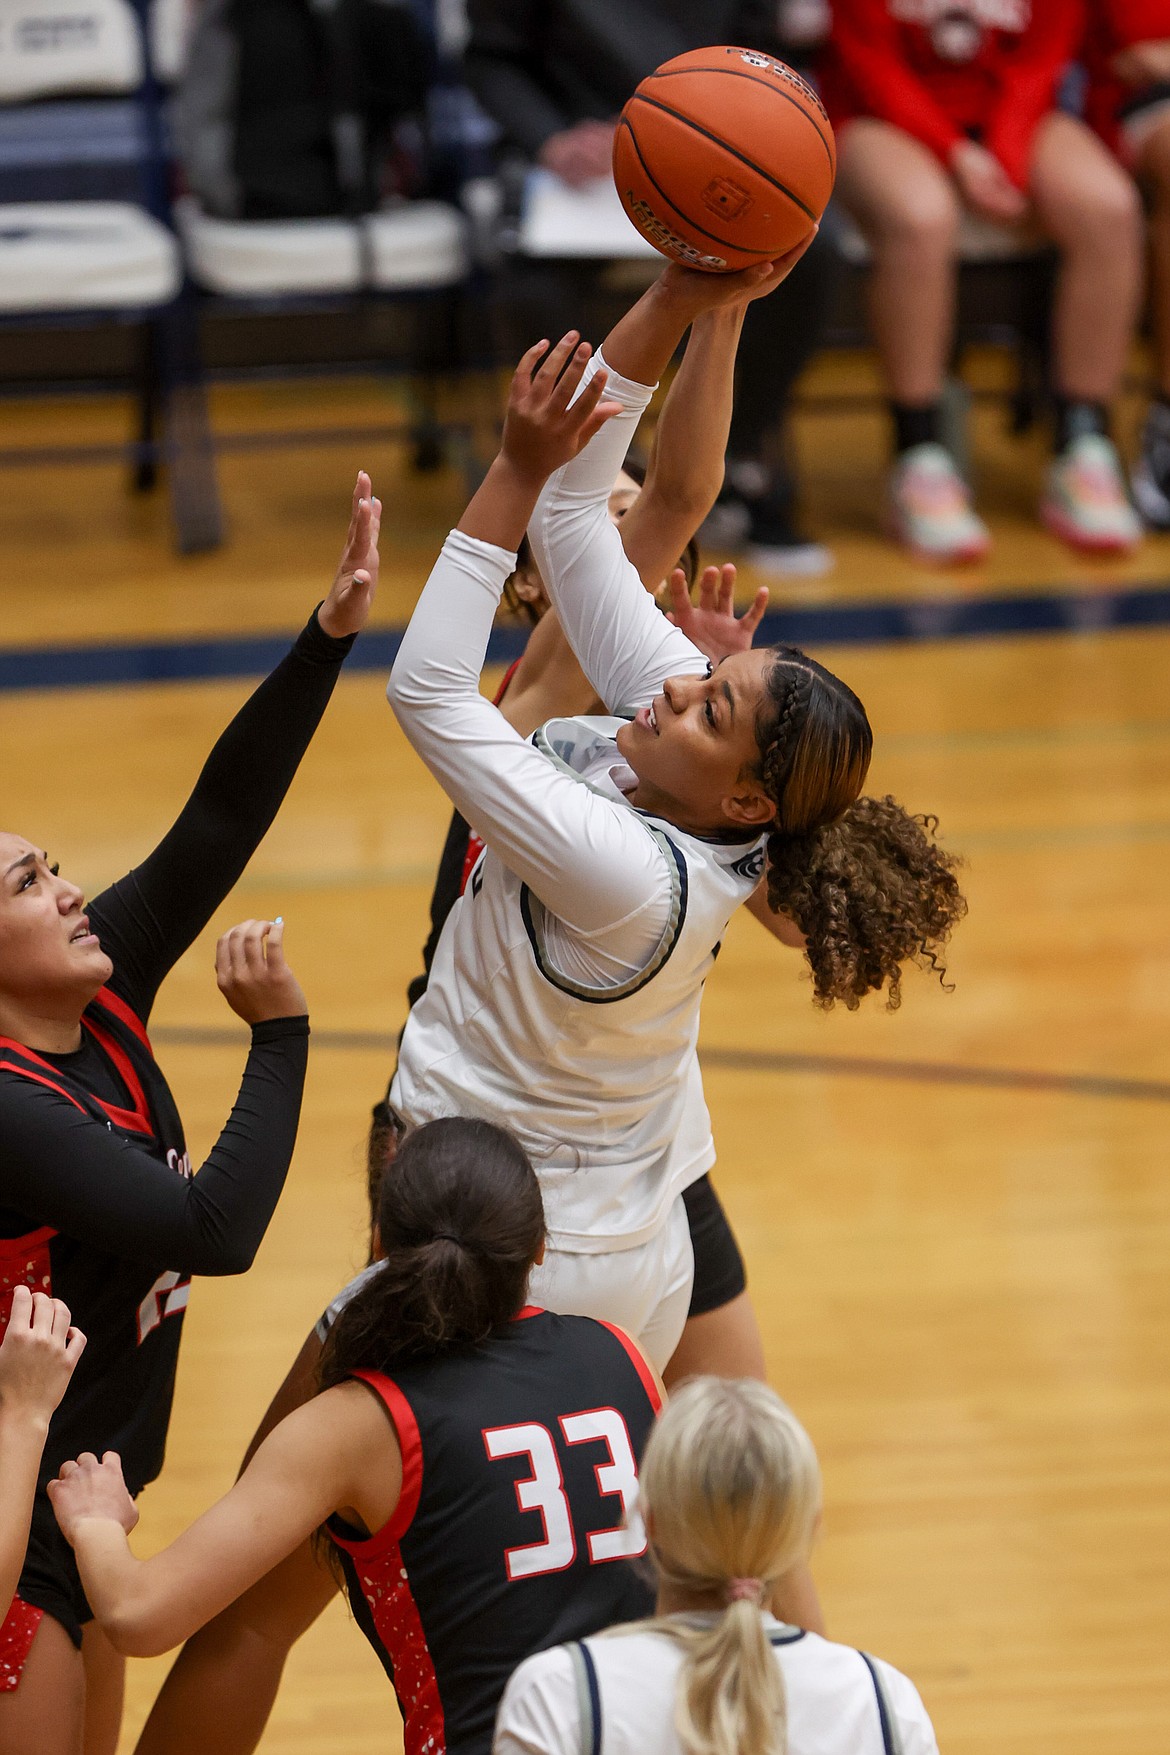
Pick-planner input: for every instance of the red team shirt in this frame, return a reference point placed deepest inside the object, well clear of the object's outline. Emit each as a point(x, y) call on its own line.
point(946, 70)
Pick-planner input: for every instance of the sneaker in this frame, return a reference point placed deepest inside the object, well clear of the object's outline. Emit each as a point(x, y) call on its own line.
point(1151, 475)
point(930, 507)
point(1084, 500)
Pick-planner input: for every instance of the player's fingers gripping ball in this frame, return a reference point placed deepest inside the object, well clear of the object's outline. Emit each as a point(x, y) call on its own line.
point(724, 158)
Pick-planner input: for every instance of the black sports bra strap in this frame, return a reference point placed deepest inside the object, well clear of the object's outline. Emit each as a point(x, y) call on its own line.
point(891, 1735)
point(588, 1697)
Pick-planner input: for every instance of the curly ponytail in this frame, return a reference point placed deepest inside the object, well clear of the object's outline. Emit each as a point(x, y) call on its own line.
point(461, 1222)
point(870, 892)
point(862, 878)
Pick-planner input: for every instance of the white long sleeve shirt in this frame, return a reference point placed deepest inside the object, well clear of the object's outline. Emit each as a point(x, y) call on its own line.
point(563, 1000)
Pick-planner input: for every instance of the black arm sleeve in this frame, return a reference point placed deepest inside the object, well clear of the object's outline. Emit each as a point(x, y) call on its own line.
point(147, 919)
point(61, 1168)
point(502, 66)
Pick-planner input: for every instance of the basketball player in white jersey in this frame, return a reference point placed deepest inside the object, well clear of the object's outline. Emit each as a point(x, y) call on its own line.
point(564, 994)
point(730, 1495)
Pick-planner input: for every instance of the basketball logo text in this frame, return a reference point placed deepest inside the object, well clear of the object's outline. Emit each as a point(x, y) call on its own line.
point(659, 233)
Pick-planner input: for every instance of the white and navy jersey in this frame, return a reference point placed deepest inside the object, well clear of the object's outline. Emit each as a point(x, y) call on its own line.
point(564, 995)
point(615, 1696)
point(515, 1528)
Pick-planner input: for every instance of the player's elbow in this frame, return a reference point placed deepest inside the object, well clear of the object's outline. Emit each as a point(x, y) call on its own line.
point(235, 1257)
point(406, 692)
point(136, 1630)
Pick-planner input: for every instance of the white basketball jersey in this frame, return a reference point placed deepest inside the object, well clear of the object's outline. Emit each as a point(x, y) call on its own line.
point(598, 1079)
point(839, 1701)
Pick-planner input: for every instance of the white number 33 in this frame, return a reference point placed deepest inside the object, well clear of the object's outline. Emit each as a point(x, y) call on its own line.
point(543, 1491)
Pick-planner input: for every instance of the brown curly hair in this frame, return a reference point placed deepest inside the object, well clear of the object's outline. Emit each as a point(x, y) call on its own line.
point(863, 879)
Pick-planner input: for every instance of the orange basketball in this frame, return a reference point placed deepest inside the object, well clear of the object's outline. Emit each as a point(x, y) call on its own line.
point(723, 158)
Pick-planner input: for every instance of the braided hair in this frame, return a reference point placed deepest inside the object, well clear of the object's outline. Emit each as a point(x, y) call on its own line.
point(864, 881)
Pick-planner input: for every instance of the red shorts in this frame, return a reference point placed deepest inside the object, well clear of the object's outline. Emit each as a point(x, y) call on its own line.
point(17, 1632)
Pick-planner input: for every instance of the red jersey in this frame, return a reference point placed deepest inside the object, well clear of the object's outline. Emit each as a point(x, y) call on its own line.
point(946, 70)
point(1114, 25)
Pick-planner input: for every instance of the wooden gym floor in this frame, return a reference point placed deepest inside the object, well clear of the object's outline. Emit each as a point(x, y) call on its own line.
point(956, 1218)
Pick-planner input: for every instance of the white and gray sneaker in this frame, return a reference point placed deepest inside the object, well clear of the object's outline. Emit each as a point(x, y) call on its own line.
point(930, 508)
point(1084, 500)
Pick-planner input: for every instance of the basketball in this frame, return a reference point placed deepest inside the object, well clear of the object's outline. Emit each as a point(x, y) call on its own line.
point(723, 158)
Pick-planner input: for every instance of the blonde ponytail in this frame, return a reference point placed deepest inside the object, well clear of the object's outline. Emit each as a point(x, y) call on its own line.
point(730, 1490)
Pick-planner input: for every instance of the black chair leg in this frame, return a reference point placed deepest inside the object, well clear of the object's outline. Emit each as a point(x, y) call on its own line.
point(144, 477)
point(196, 512)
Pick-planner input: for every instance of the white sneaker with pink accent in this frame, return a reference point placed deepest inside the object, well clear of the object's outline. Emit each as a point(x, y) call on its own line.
point(930, 508)
point(1084, 500)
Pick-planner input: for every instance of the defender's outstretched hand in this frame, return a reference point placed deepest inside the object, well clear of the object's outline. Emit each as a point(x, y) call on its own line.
point(347, 607)
point(541, 430)
point(711, 624)
point(253, 976)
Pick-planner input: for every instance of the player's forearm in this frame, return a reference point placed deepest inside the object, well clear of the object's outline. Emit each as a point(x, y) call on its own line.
point(22, 1439)
point(642, 343)
point(624, 645)
point(124, 1592)
point(686, 465)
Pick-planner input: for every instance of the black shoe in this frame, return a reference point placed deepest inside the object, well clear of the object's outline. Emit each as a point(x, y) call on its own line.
point(1151, 472)
point(755, 512)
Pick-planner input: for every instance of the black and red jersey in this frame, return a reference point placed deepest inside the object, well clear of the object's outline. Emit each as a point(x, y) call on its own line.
point(98, 1202)
point(512, 1533)
point(131, 1309)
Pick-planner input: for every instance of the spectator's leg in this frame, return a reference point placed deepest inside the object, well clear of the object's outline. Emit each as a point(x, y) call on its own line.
point(905, 204)
point(1090, 208)
point(1151, 479)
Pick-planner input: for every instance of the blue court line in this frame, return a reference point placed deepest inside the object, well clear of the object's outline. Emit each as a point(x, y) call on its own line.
point(860, 1066)
point(829, 624)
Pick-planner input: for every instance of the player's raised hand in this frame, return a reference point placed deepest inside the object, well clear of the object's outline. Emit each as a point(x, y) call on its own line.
point(711, 624)
point(347, 607)
point(38, 1355)
point(700, 291)
point(89, 1488)
point(253, 975)
point(543, 426)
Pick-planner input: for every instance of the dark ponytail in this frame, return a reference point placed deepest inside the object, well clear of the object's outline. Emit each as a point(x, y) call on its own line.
point(461, 1222)
point(863, 879)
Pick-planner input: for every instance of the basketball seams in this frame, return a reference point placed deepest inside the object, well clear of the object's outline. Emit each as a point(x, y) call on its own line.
point(725, 146)
point(763, 255)
point(755, 79)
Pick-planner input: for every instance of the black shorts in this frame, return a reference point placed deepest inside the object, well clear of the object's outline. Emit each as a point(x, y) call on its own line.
point(49, 1579)
point(719, 1269)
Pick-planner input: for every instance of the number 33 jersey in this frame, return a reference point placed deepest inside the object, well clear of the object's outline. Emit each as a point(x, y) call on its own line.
point(516, 1527)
